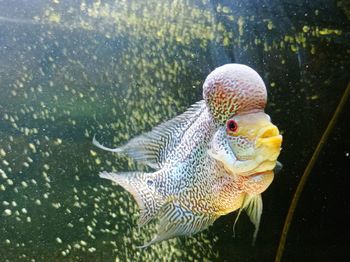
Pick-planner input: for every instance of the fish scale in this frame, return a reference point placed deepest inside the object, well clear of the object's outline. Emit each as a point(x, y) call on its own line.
point(193, 157)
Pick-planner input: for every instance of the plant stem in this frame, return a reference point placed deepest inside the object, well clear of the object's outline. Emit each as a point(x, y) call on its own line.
point(307, 172)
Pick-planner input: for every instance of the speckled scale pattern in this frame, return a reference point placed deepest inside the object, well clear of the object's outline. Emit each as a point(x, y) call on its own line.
point(233, 89)
point(159, 146)
point(190, 189)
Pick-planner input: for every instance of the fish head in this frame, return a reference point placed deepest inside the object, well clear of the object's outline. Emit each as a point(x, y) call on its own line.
point(246, 141)
point(254, 141)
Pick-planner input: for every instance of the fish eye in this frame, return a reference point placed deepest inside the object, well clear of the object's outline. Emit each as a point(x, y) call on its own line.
point(231, 125)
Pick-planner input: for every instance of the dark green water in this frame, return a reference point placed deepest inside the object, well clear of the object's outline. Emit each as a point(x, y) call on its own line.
point(69, 70)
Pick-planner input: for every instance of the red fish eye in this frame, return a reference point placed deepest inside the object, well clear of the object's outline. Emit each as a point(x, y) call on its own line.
point(232, 125)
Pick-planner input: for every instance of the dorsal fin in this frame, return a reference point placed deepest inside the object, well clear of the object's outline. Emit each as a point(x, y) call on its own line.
point(154, 148)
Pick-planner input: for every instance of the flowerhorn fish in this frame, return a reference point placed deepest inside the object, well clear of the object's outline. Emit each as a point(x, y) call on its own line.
point(215, 158)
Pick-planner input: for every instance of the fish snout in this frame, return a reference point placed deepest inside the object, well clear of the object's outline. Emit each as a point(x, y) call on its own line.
point(268, 131)
point(269, 142)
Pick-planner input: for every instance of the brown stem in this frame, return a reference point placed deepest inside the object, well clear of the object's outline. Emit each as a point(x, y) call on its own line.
point(307, 172)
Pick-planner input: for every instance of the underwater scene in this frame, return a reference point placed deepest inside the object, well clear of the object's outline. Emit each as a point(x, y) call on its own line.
point(81, 78)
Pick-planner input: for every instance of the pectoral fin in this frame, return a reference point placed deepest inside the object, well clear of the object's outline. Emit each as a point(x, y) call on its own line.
point(278, 167)
point(220, 149)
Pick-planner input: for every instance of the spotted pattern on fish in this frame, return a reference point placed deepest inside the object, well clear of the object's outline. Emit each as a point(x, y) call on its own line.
point(191, 187)
point(232, 90)
point(157, 147)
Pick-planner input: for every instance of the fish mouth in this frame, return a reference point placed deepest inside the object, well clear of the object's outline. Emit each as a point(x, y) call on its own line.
point(267, 149)
point(268, 136)
point(268, 131)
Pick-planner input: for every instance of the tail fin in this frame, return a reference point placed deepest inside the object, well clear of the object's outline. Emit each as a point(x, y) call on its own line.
point(142, 187)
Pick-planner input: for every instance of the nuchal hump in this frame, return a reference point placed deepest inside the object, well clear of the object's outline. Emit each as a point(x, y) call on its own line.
point(234, 89)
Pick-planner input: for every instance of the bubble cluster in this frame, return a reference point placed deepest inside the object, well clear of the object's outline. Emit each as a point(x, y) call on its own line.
point(73, 69)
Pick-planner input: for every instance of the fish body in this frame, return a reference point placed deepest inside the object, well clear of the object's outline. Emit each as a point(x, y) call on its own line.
point(215, 158)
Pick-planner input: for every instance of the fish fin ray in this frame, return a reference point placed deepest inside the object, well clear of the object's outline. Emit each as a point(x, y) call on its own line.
point(153, 148)
point(254, 207)
point(278, 167)
point(148, 200)
point(236, 219)
point(176, 220)
point(99, 145)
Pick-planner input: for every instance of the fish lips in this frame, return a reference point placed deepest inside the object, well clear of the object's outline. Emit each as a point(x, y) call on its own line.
point(267, 150)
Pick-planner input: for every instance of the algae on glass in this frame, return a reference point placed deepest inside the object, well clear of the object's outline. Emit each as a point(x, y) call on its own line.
point(72, 69)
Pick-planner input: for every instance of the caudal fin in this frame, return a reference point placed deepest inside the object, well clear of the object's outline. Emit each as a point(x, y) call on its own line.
point(142, 187)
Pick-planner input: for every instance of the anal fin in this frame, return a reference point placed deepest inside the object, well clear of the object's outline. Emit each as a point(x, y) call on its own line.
point(176, 220)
